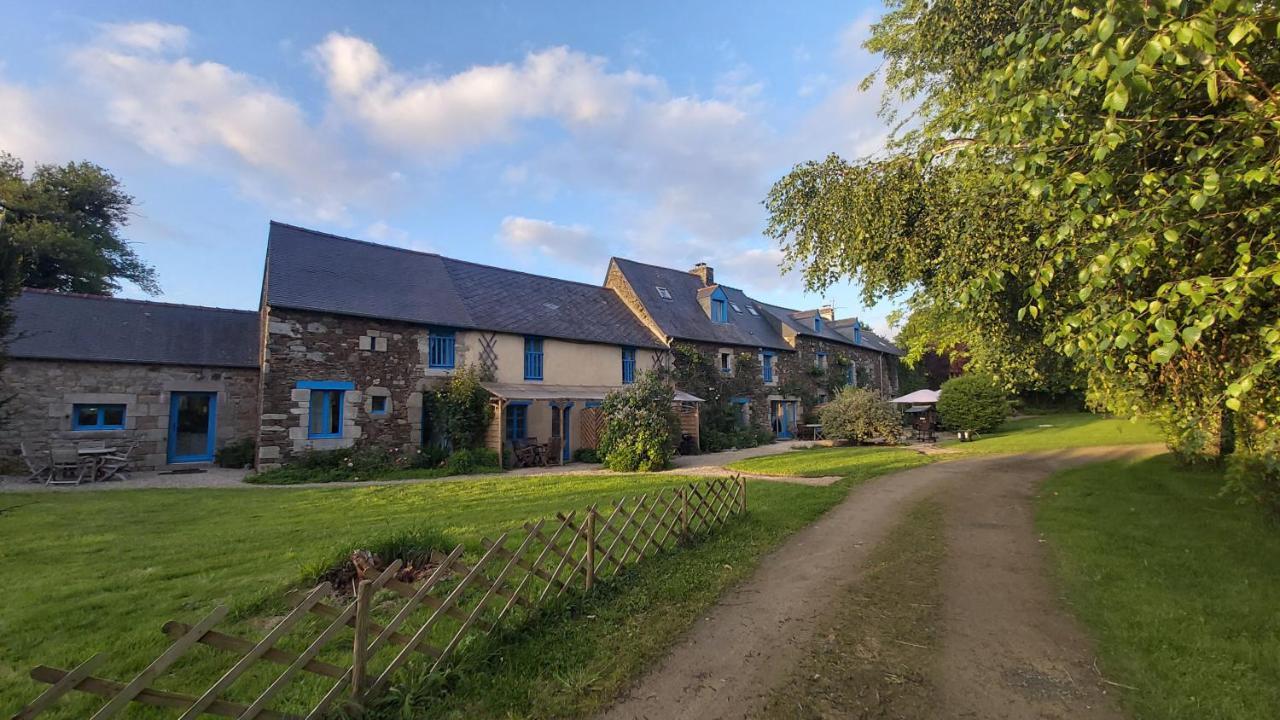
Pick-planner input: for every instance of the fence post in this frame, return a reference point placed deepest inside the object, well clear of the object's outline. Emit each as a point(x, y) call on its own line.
point(591, 547)
point(360, 649)
point(742, 494)
point(684, 513)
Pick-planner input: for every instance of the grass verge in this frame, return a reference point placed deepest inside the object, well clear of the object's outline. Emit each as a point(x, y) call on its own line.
point(103, 570)
point(1177, 585)
point(1058, 431)
point(849, 462)
point(872, 659)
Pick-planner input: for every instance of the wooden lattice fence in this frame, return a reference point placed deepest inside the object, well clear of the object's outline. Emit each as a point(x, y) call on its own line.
point(591, 424)
point(348, 652)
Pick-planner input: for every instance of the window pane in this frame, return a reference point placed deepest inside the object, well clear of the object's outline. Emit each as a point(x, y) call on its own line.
point(86, 415)
point(334, 419)
point(113, 415)
point(317, 412)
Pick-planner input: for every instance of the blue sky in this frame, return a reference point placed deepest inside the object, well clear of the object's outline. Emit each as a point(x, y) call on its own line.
point(543, 137)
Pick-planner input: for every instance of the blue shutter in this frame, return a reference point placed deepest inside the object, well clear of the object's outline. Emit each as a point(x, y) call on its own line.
point(440, 348)
point(628, 365)
point(532, 358)
point(766, 367)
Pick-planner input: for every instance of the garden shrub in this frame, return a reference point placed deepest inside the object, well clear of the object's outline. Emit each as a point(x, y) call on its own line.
point(237, 454)
point(972, 403)
point(586, 455)
point(464, 409)
point(858, 414)
point(641, 429)
point(464, 462)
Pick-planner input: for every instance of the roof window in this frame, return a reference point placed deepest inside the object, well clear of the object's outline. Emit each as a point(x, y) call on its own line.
point(663, 293)
point(751, 309)
point(735, 307)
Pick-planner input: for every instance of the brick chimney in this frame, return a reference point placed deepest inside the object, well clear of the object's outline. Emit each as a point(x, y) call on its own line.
point(704, 271)
point(828, 313)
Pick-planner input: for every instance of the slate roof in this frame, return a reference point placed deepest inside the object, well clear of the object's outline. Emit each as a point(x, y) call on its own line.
point(66, 326)
point(682, 316)
point(870, 340)
point(309, 270)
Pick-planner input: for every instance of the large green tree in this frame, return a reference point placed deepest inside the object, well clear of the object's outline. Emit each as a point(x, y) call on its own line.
point(63, 225)
point(1098, 176)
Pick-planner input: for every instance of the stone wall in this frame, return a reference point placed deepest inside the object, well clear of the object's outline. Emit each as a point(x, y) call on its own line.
point(45, 391)
point(379, 357)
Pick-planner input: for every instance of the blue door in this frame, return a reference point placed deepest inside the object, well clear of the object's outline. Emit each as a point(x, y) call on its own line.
point(193, 421)
point(566, 453)
point(784, 418)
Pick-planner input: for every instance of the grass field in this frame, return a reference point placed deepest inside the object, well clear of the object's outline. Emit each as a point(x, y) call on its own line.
point(1052, 432)
point(850, 462)
point(1178, 586)
point(103, 570)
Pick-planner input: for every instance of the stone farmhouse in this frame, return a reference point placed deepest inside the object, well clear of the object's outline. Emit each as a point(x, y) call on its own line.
point(350, 335)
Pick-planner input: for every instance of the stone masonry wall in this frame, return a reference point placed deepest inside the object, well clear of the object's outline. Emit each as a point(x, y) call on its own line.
point(379, 357)
point(45, 391)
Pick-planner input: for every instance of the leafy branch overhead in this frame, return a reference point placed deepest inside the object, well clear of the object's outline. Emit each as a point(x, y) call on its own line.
point(1095, 177)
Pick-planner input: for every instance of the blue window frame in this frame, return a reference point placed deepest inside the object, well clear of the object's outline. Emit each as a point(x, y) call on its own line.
point(592, 404)
point(440, 346)
point(108, 416)
point(324, 419)
point(766, 367)
point(719, 311)
point(820, 360)
point(817, 323)
point(378, 405)
point(849, 375)
point(628, 365)
point(517, 421)
point(533, 358)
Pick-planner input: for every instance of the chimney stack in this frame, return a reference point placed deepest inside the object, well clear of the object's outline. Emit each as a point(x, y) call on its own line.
point(704, 271)
point(828, 313)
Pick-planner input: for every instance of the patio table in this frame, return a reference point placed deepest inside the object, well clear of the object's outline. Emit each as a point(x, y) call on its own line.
point(96, 455)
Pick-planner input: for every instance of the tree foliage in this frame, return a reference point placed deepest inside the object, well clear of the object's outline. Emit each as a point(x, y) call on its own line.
point(63, 227)
point(972, 403)
point(1096, 176)
point(463, 409)
point(858, 414)
point(641, 429)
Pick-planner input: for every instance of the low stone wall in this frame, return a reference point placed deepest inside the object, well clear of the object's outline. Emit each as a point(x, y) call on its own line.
point(44, 392)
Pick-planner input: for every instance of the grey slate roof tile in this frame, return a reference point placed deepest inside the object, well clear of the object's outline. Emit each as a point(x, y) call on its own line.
point(317, 271)
point(65, 326)
point(682, 316)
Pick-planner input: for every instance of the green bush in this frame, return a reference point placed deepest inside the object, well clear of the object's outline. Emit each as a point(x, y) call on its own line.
point(464, 462)
point(428, 457)
point(237, 454)
point(586, 455)
point(464, 408)
point(972, 403)
point(858, 414)
point(641, 429)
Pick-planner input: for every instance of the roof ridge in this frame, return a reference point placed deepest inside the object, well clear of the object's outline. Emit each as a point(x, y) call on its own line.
point(335, 236)
point(683, 272)
point(522, 272)
point(156, 303)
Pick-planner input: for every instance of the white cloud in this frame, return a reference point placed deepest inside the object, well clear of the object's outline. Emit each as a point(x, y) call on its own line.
point(205, 115)
point(756, 270)
point(149, 36)
point(479, 105)
point(571, 243)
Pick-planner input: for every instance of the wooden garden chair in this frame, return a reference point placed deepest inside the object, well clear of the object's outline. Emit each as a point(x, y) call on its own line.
point(66, 467)
point(38, 466)
point(113, 466)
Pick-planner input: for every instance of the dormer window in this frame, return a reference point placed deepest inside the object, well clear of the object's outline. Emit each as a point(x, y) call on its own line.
point(719, 311)
point(817, 323)
point(663, 293)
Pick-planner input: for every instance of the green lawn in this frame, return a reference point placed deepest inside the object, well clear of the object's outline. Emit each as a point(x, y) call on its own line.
point(1180, 587)
point(88, 571)
point(851, 462)
point(1057, 431)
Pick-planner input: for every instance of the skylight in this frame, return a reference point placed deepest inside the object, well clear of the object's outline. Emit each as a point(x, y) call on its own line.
point(751, 309)
point(735, 307)
point(663, 293)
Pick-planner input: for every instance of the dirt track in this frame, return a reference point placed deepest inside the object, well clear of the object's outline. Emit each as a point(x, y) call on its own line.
point(1009, 650)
